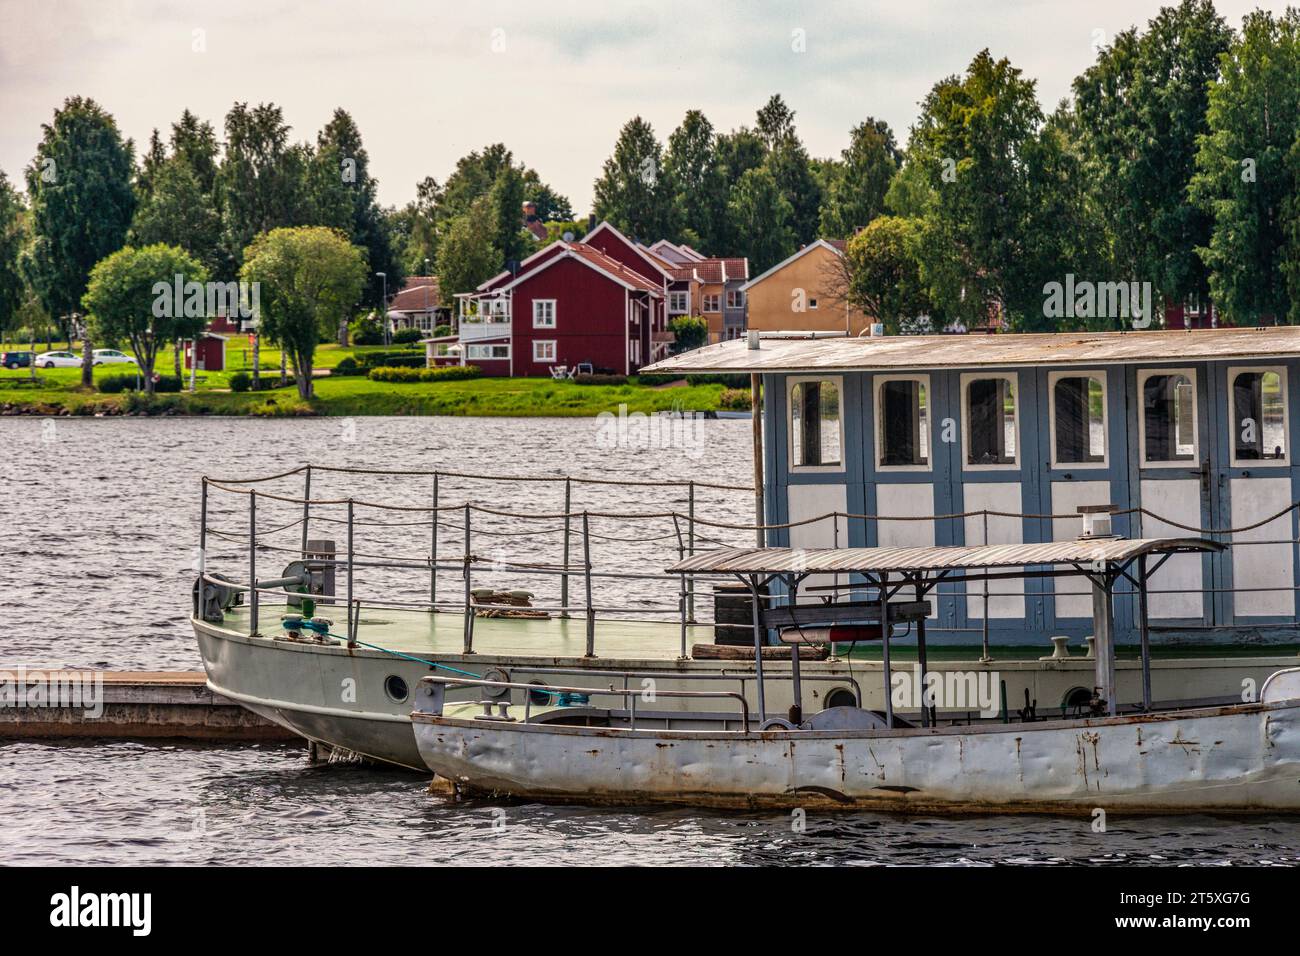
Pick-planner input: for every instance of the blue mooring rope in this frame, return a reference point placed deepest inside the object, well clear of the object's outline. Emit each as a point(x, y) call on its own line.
point(310, 625)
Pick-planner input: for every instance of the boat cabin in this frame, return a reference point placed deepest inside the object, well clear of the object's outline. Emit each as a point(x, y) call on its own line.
point(968, 440)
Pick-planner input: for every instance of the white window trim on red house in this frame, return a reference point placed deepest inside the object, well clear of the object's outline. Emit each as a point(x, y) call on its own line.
point(541, 359)
point(540, 319)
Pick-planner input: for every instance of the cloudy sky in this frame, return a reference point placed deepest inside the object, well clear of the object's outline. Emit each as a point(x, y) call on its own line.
point(429, 80)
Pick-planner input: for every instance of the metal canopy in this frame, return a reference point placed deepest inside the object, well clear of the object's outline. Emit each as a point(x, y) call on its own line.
point(779, 353)
point(1112, 551)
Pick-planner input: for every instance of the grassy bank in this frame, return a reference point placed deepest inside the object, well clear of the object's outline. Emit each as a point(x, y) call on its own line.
point(58, 392)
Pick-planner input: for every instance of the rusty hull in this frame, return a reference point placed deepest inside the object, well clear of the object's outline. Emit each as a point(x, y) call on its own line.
point(1242, 758)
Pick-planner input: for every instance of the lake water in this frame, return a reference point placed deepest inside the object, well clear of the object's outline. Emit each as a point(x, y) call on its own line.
point(98, 526)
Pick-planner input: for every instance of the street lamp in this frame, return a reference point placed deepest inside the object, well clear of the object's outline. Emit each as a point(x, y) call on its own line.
point(384, 317)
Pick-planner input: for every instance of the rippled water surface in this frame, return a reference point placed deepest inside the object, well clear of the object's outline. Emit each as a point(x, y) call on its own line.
point(98, 522)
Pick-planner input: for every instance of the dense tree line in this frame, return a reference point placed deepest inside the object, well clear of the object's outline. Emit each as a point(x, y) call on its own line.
point(1175, 162)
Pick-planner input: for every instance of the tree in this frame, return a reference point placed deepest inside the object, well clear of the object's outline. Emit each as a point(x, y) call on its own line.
point(466, 253)
point(1244, 177)
point(698, 183)
point(507, 200)
point(176, 211)
point(310, 278)
point(131, 296)
point(194, 143)
point(11, 239)
point(775, 122)
point(885, 273)
point(261, 184)
point(1141, 109)
point(761, 217)
point(689, 332)
point(632, 193)
point(791, 169)
point(856, 195)
point(79, 188)
point(974, 139)
point(344, 196)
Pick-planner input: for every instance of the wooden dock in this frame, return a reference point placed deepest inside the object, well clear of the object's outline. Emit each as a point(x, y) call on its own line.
point(131, 704)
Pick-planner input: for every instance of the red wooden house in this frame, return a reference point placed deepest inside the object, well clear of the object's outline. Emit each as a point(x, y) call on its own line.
point(599, 302)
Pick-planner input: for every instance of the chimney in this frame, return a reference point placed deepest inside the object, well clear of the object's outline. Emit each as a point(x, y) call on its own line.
point(530, 210)
point(591, 222)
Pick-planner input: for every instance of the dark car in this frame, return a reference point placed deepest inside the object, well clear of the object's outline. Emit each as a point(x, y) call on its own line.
point(17, 359)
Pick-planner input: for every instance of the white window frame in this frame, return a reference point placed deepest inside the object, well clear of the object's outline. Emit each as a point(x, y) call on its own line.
point(541, 359)
point(1285, 460)
point(876, 384)
point(685, 308)
point(1052, 379)
point(811, 303)
point(470, 356)
point(713, 298)
point(1142, 375)
point(739, 302)
point(965, 380)
point(791, 467)
point(540, 321)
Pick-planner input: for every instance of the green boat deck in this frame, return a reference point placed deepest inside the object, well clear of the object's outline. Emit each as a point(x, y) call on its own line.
point(443, 633)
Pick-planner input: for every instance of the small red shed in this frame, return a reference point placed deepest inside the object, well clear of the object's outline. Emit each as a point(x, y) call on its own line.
point(212, 352)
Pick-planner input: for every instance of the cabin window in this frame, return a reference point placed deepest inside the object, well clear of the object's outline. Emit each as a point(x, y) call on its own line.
point(990, 420)
point(903, 422)
point(1168, 416)
point(816, 439)
point(1078, 418)
point(1258, 415)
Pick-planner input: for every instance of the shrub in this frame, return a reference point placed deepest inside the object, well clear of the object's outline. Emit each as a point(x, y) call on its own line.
point(404, 359)
point(740, 380)
point(735, 399)
point(441, 330)
point(240, 382)
point(407, 336)
point(600, 379)
point(689, 332)
point(656, 379)
point(362, 331)
point(113, 384)
point(447, 373)
point(347, 366)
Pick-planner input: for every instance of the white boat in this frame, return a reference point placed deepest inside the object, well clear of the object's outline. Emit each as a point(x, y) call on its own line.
point(1128, 756)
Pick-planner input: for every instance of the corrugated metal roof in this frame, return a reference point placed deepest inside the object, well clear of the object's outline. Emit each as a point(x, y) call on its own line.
point(799, 354)
point(863, 560)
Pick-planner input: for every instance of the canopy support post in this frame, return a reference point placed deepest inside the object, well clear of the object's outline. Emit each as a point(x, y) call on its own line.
point(796, 709)
point(884, 646)
point(756, 413)
point(926, 716)
point(1103, 628)
point(758, 646)
point(1144, 632)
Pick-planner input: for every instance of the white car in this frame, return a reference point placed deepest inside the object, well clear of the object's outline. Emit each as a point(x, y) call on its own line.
point(58, 360)
point(112, 357)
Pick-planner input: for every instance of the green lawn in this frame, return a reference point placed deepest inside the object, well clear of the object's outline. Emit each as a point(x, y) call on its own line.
point(58, 389)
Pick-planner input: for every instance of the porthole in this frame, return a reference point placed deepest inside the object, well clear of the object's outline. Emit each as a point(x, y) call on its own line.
point(395, 688)
point(841, 697)
point(539, 698)
point(1077, 698)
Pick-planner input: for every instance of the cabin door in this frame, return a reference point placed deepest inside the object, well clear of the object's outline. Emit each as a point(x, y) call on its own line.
point(1177, 483)
point(1255, 484)
point(1083, 456)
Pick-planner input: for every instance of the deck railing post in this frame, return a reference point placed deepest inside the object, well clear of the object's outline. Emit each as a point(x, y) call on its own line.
point(306, 508)
point(469, 596)
point(586, 566)
point(564, 578)
point(433, 551)
point(1144, 632)
point(252, 563)
point(759, 636)
point(690, 550)
point(884, 649)
point(986, 657)
point(203, 536)
point(352, 616)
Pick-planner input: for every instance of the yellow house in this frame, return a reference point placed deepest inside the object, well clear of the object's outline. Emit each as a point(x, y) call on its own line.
point(799, 294)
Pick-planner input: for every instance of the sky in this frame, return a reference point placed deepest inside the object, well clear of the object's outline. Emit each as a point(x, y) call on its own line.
point(427, 82)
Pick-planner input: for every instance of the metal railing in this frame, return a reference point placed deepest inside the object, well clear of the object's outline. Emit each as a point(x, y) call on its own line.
point(576, 532)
